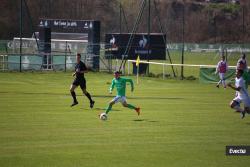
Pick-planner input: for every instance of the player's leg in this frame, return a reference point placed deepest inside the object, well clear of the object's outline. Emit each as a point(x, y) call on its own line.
point(83, 87)
point(235, 104)
point(130, 106)
point(223, 81)
point(247, 105)
point(218, 84)
point(247, 109)
point(220, 81)
point(111, 103)
point(73, 94)
point(246, 102)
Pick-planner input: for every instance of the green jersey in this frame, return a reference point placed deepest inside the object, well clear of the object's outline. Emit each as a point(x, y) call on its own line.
point(120, 84)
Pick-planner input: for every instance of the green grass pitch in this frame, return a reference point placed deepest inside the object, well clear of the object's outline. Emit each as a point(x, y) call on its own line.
point(182, 123)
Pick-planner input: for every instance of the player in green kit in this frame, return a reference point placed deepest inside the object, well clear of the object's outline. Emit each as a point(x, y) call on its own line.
point(120, 84)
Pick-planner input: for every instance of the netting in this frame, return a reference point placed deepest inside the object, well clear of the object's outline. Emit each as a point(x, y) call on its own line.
point(63, 52)
point(192, 63)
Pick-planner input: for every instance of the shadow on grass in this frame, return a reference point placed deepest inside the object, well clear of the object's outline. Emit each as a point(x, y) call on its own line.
point(72, 109)
point(96, 96)
point(144, 120)
point(103, 109)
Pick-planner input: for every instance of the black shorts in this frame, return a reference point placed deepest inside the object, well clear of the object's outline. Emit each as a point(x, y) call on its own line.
point(80, 81)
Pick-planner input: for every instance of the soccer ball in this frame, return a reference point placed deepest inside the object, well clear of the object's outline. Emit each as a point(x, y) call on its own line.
point(103, 116)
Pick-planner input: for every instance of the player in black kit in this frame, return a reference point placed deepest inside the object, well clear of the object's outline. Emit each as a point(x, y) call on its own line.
point(80, 69)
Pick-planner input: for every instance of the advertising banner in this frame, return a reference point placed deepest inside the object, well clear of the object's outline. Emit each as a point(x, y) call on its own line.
point(152, 48)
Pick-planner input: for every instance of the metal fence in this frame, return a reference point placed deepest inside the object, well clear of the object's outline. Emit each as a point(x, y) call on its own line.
point(63, 58)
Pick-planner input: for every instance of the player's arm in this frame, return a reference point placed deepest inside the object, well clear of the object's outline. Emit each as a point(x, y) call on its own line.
point(246, 67)
point(238, 64)
point(217, 68)
point(112, 86)
point(76, 72)
point(80, 71)
point(83, 69)
point(131, 83)
point(233, 87)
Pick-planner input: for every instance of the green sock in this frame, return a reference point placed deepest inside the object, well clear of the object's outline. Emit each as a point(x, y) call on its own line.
point(131, 106)
point(108, 109)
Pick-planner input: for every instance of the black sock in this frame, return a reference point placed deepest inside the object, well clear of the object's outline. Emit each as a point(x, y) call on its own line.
point(89, 97)
point(73, 94)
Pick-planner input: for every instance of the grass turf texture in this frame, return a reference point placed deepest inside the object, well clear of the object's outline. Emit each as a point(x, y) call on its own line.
point(183, 123)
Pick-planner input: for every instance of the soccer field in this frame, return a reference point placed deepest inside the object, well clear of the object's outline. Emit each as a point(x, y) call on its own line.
point(182, 123)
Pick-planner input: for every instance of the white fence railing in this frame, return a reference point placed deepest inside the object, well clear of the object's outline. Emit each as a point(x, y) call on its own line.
point(169, 64)
point(3, 62)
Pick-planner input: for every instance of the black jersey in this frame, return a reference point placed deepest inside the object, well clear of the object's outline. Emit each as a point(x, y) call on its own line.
point(80, 67)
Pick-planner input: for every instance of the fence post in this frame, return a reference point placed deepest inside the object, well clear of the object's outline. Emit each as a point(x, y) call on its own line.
point(117, 64)
point(65, 57)
point(128, 68)
point(163, 72)
point(5, 61)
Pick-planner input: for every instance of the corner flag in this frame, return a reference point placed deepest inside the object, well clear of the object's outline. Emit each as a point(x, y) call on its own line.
point(137, 65)
point(137, 61)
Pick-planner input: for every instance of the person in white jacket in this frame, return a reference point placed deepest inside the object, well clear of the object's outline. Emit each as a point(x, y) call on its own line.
point(241, 95)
